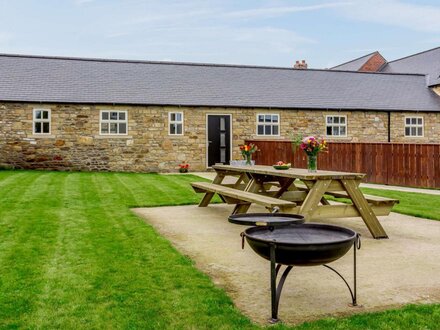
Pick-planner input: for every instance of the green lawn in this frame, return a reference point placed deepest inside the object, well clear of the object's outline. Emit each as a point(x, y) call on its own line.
point(415, 204)
point(72, 255)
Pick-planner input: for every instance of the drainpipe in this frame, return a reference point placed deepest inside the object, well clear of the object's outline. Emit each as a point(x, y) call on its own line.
point(389, 126)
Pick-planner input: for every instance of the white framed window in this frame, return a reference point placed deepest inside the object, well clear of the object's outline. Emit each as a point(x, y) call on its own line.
point(113, 122)
point(41, 121)
point(268, 124)
point(175, 120)
point(336, 126)
point(414, 126)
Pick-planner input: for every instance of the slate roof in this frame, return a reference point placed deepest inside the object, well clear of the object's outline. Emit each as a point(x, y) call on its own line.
point(97, 81)
point(427, 62)
point(354, 65)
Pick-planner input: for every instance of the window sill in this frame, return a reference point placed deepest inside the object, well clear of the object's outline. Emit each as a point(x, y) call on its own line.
point(113, 137)
point(41, 136)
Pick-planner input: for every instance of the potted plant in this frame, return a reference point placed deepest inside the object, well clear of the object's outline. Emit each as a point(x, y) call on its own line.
point(183, 167)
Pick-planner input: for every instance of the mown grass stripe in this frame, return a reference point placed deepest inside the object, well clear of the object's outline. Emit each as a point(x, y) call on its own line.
point(25, 249)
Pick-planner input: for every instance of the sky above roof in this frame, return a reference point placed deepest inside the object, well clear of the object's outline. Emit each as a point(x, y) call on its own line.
point(255, 32)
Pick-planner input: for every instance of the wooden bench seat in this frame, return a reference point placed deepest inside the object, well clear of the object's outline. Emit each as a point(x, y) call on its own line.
point(233, 196)
point(373, 200)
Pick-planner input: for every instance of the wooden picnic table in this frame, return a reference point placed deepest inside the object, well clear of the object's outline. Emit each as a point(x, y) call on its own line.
point(296, 191)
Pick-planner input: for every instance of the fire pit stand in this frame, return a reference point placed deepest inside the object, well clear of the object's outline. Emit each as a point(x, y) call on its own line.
point(275, 270)
point(284, 239)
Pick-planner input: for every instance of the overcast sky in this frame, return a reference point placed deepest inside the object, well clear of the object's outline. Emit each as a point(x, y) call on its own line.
point(260, 32)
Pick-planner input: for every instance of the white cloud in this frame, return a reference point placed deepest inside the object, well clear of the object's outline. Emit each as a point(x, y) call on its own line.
point(396, 13)
point(279, 11)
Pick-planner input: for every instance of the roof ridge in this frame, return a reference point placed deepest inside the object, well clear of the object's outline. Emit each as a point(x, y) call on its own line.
point(97, 59)
point(201, 64)
point(358, 58)
point(425, 51)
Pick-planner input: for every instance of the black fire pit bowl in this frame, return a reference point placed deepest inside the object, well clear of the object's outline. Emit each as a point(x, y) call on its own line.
point(307, 244)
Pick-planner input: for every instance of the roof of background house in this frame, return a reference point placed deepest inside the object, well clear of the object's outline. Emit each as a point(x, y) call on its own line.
point(98, 81)
point(356, 64)
point(427, 62)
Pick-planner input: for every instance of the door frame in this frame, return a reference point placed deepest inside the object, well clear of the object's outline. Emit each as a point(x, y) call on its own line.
point(206, 133)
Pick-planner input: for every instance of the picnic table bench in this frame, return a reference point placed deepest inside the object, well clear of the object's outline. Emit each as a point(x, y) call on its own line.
point(297, 191)
point(242, 199)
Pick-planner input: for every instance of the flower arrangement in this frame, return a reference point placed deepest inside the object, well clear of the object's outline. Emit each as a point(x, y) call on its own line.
point(312, 146)
point(183, 167)
point(247, 150)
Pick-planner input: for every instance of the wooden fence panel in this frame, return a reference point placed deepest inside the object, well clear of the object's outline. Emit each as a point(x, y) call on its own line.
point(415, 165)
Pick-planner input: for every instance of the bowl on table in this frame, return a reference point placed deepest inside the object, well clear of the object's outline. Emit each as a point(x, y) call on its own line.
point(283, 166)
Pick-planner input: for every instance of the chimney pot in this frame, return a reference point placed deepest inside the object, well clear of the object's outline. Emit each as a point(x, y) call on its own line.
point(300, 64)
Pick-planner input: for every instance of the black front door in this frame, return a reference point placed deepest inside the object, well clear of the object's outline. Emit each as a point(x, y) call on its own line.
point(219, 139)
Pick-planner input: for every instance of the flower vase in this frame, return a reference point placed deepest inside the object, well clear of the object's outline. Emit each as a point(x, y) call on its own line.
point(312, 163)
point(249, 160)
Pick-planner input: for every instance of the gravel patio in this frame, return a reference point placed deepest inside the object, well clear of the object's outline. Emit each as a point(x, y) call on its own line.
point(391, 272)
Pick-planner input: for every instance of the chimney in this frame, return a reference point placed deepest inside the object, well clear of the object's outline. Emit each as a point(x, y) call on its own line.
point(300, 65)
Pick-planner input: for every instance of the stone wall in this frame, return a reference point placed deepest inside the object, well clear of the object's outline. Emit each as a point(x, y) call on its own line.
point(75, 142)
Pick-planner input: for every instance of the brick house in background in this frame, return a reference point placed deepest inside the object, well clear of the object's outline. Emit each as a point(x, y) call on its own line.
point(142, 116)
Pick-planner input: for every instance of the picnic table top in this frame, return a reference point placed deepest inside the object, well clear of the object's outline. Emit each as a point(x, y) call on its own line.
point(298, 173)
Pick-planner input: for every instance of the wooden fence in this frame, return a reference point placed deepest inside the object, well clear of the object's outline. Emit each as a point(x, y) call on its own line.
point(415, 165)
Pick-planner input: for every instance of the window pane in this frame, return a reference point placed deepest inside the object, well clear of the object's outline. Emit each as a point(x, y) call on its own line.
point(222, 140)
point(419, 121)
point(45, 114)
point(222, 155)
point(260, 130)
point(267, 118)
point(260, 118)
point(178, 117)
point(122, 128)
point(122, 116)
point(172, 116)
point(104, 128)
point(104, 115)
point(419, 131)
point(408, 121)
point(342, 120)
point(172, 128)
point(113, 116)
point(267, 130)
point(275, 118)
point(413, 131)
point(179, 128)
point(113, 128)
point(38, 114)
point(329, 120)
point(37, 127)
point(407, 131)
point(336, 130)
point(413, 121)
point(275, 130)
point(329, 130)
point(342, 130)
point(336, 120)
point(222, 124)
point(46, 128)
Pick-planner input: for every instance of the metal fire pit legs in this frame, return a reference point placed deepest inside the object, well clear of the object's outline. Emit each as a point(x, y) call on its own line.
point(276, 289)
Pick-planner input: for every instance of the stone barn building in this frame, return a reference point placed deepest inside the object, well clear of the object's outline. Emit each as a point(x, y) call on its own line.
point(142, 116)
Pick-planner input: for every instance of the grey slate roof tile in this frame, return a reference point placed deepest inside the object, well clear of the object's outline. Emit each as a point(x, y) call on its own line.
point(67, 80)
point(427, 62)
